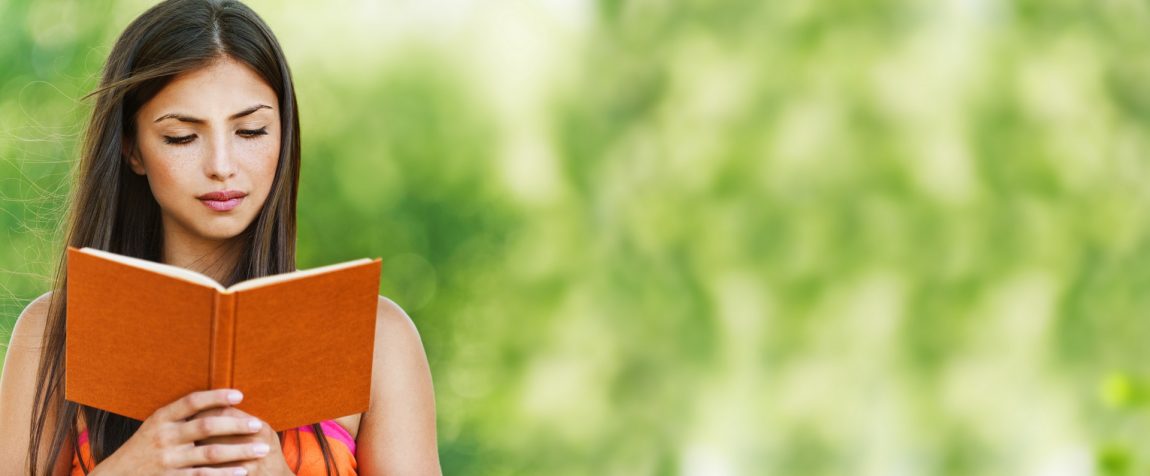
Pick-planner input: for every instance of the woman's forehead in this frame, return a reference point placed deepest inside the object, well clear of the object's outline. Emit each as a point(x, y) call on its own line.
point(216, 91)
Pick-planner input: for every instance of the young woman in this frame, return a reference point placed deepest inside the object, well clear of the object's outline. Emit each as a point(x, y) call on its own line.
point(192, 158)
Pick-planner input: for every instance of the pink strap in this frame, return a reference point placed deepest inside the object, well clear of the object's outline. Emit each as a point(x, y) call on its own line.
point(331, 429)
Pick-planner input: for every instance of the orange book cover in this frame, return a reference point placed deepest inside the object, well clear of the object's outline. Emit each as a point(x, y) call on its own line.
point(142, 334)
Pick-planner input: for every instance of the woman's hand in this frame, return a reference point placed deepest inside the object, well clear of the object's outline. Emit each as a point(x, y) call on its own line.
point(166, 442)
point(272, 464)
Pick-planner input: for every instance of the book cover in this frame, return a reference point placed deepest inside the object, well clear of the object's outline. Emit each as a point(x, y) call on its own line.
point(142, 334)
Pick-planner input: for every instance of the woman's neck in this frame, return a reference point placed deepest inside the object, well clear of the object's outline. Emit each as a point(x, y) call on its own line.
point(216, 259)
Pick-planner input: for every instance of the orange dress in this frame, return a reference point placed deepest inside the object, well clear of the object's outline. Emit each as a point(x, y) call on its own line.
point(303, 447)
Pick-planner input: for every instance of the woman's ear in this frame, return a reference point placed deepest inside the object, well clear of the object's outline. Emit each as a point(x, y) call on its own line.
point(131, 156)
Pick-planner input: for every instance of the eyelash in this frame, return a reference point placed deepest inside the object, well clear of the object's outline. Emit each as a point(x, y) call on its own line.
point(246, 133)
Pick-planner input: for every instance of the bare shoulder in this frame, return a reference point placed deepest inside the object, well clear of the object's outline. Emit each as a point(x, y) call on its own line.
point(18, 384)
point(394, 319)
point(397, 433)
point(399, 354)
point(30, 325)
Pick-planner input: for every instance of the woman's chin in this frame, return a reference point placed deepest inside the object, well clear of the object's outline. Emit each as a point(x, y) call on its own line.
point(222, 233)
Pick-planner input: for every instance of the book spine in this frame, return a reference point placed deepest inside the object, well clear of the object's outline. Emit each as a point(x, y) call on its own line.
point(223, 341)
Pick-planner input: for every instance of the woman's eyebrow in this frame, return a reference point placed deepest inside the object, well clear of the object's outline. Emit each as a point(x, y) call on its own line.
point(195, 120)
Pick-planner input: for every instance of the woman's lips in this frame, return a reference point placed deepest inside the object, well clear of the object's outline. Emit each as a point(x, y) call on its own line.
point(222, 200)
point(223, 205)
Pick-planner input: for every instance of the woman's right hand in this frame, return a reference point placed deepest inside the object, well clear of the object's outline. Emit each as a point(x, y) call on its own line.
point(165, 444)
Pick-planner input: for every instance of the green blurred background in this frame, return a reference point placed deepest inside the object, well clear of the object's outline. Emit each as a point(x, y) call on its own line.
point(866, 237)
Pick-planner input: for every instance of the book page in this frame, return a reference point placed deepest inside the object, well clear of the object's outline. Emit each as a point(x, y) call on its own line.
point(279, 278)
point(161, 268)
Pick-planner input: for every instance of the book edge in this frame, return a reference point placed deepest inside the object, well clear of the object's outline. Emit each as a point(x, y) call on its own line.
point(260, 282)
point(198, 278)
point(171, 271)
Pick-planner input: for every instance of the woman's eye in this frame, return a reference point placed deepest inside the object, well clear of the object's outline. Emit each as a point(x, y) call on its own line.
point(253, 133)
point(179, 140)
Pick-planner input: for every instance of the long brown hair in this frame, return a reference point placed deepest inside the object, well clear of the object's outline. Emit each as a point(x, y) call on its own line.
point(113, 209)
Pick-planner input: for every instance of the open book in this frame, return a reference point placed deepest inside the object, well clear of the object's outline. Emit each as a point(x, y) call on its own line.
point(142, 334)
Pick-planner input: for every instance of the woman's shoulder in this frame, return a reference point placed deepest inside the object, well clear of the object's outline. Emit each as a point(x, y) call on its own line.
point(32, 321)
point(18, 383)
point(389, 313)
point(397, 433)
point(397, 340)
point(22, 350)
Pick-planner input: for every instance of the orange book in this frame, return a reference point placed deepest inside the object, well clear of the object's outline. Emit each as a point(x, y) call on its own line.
point(143, 334)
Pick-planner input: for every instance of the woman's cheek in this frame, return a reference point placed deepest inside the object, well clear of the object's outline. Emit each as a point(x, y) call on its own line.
point(268, 165)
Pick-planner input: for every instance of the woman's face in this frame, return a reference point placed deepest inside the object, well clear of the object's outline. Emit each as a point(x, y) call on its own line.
point(208, 143)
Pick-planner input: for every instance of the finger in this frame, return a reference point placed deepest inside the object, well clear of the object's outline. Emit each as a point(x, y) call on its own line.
point(196, 402)
point(222, 411)
point(202, 428)
point(218, 411)
point(229, 471)
point(216, 454)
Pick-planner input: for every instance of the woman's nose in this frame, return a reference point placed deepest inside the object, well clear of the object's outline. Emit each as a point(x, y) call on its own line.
point(221, 164)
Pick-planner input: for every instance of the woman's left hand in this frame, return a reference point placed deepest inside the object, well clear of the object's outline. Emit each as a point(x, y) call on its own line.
point(273, 464)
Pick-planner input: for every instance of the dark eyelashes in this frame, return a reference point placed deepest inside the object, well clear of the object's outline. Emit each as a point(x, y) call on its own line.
point(179, 140)
point(248, 133)
point(263, 131)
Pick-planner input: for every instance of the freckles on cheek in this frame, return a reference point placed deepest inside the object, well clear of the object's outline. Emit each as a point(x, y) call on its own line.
point(165, 177)
point(152, 160)
point(159, 157)
point(261, 161)
point(260, 149)
point(268, 154)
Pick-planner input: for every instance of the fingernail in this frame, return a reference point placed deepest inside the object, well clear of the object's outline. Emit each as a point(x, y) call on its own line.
point(260, 449)
point(241, 472)
point(235, 396)
point(255, 425)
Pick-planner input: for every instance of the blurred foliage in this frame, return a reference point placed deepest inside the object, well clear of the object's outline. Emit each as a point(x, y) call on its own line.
point(868, 237)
